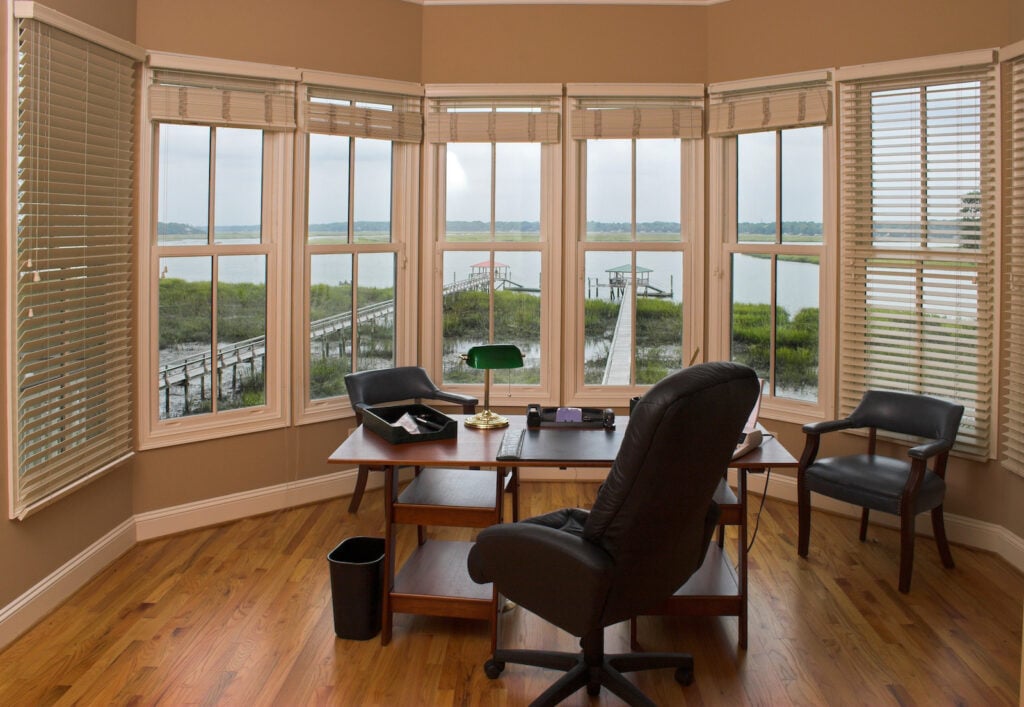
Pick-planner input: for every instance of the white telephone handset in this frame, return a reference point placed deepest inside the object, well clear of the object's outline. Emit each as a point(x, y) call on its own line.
point(752, 436)
point(751, 441)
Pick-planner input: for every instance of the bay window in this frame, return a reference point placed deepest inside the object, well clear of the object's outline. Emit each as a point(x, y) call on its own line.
point(772, 236)
point(634, 236)
point(918, 231)
point(215, 261)
point(361, 162)
point(492, 225)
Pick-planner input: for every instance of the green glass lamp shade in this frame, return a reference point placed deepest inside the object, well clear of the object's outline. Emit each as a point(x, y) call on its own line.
point(487, 357)
point(495, 356)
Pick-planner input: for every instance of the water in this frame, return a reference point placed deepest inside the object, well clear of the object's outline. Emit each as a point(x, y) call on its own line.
point(797, 282)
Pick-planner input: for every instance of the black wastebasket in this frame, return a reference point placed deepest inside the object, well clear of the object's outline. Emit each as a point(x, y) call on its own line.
point(357, 576)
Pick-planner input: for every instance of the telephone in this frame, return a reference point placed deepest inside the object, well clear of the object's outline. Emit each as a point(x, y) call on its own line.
point(749, 441)
point(565, 417)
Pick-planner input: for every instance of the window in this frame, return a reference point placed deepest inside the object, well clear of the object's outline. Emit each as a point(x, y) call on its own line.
point(219, 224)
point(771, 232)
point(918, 195)
point(362, 161)
point(635, 230)
point(71, 278)
point(493, 221)
point(1013, 264)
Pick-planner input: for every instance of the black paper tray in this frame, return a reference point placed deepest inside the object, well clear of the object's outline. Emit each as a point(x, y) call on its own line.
point(380, 420)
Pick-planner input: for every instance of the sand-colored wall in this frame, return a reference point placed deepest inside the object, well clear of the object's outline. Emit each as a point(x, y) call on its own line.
point(1017, 21)
point(748, 38)
point(379, 38)
point(564, 43)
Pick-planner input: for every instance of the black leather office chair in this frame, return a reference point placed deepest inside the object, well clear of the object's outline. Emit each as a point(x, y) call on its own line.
point(391, 385)
point(648, 532)
point(904, 487)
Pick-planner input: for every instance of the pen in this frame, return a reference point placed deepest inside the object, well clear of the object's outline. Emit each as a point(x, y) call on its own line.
point(429, 424)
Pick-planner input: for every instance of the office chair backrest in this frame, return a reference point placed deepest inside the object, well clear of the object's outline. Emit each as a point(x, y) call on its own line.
point(652, 513)
point(909, 414)
point(388, 385)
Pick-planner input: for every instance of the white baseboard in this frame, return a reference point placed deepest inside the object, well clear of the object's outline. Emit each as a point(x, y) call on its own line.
point(34, 605)
point(213, 511)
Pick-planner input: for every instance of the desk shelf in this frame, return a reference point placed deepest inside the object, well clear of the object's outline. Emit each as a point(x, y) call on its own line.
point(716, 589)
point(433, 581)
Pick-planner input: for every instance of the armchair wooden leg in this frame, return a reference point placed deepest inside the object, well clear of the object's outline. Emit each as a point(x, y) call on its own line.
point(804, 512)
point(906, 550)
point(939, 530)
point(864, 513)
point(362, 473)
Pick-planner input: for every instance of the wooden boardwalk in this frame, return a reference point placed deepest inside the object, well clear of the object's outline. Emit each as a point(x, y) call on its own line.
point(619, 366)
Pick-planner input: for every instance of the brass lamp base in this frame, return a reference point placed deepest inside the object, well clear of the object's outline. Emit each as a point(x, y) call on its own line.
point(486, 420)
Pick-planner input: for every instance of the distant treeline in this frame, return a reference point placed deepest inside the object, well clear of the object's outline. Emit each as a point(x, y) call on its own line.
point(793, 228)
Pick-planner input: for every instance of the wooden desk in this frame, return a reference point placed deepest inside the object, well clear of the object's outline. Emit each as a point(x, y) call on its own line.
point(434, 580)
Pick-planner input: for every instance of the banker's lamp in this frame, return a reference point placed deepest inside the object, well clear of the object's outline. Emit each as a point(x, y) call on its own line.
point(488, 357)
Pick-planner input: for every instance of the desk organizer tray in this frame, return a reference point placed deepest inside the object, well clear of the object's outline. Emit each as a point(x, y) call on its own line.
point(381, 420)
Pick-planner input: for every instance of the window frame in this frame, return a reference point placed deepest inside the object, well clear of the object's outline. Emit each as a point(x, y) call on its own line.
point(278, 161)
point(405, 175)
point(921, 73)
point(691, 244)
point(723, 243)
point(548, 245)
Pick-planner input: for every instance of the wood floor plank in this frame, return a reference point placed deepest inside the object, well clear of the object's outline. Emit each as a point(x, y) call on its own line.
point(241, 614)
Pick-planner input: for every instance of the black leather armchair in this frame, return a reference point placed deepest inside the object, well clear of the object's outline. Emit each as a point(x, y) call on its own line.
point(904, 487)
point(647, 533)
point(390, 385)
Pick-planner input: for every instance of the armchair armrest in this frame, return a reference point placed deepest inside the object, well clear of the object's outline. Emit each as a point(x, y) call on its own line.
point(929, 449)
point(466, 401)
point(814, 430)
point(820, 428)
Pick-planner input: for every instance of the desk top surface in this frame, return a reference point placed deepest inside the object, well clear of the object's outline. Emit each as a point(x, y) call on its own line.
point(542, 447)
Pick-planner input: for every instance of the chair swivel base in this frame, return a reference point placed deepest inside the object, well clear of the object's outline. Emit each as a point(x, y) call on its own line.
point(592, 669)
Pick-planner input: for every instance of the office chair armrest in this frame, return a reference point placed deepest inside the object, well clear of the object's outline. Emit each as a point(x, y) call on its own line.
point(555, 574)
point(929, 449)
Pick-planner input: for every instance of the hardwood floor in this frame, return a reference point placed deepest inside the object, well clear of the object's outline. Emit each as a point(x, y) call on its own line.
point(241, 614)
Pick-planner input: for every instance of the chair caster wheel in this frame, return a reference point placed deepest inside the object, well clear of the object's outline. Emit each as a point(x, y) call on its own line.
point(684, 676)
point(493, 668)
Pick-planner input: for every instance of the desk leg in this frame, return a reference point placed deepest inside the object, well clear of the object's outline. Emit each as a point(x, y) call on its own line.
point(741, 484)
point(390, 495)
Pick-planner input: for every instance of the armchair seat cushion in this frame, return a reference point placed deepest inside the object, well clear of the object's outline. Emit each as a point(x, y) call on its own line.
point(872, 481)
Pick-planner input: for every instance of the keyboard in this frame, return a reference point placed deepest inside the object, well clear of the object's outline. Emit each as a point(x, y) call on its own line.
point(511, 447)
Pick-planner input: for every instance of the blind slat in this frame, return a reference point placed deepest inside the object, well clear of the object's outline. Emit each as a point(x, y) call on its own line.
point(684, 122)
point(769, 109)
point(492, 126)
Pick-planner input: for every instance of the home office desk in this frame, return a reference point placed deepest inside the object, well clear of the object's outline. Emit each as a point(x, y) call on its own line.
point(434, 580)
